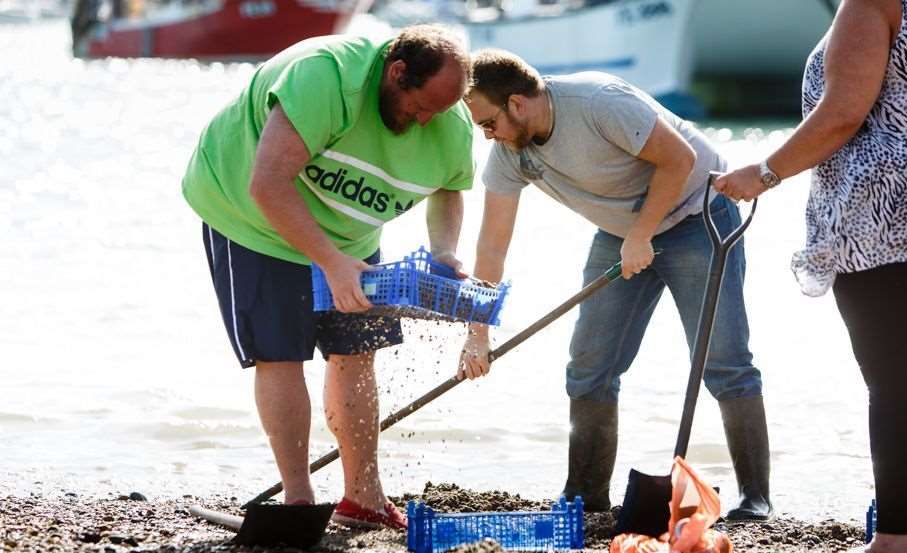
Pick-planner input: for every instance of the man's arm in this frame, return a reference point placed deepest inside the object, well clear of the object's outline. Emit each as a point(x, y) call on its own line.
point(281, 155)
point(498, 220)
point(444, 218)
point(673, 159)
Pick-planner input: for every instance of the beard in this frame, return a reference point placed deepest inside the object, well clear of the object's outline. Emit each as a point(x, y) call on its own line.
point(389, 109)
point(522, 138)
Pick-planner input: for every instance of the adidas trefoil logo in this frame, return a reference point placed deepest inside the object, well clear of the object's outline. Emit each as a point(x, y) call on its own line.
point(401, 208)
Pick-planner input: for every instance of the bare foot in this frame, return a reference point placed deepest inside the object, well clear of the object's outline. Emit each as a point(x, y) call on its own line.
point(886, 543)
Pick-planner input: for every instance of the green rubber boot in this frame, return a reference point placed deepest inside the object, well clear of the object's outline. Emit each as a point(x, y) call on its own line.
point(747, 441)
point(593, 448)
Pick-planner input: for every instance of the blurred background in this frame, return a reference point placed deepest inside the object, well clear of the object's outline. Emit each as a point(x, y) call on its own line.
point(698, 57)
point(117, 375)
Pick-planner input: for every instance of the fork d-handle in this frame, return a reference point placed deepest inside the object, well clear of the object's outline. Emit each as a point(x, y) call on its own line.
point(720, 250)
point(609, 276)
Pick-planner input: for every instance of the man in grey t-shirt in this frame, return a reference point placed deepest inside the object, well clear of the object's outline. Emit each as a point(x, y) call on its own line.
point(612, 154)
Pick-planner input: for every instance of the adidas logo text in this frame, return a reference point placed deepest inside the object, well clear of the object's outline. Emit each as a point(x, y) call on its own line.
point(351, 189)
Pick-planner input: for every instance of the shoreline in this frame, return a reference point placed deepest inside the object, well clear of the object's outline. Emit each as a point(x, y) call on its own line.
point(70, 523)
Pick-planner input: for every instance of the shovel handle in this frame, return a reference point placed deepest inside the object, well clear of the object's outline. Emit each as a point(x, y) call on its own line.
point(722, 245)
point(609, 276)
point(720, 250)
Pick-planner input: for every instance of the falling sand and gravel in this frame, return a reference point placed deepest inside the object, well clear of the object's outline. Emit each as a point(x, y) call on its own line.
point(130, 523)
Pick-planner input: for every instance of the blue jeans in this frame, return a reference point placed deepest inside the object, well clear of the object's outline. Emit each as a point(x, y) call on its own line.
point(612, 322)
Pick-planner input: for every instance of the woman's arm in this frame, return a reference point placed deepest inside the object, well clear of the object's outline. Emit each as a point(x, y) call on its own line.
point(856, 59)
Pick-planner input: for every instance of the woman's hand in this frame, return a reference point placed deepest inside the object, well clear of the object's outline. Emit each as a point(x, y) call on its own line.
point(742, 184)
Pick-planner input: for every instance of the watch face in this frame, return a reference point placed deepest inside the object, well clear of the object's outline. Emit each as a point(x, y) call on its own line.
point(770, 180)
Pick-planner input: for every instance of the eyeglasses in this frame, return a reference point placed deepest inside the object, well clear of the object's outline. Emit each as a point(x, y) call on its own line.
point(490, 124)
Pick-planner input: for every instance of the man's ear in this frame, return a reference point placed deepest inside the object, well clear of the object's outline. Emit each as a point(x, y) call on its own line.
point(516, 104)
point(472, 95)
point(396, 72)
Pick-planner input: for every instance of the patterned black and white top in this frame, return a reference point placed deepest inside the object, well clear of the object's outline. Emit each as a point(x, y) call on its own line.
point(856, 216)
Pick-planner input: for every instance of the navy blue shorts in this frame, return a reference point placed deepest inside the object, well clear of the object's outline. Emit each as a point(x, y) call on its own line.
point(266, 305)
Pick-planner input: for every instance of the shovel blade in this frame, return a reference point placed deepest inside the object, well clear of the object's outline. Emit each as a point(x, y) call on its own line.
point(294, 525)
point(646, 509)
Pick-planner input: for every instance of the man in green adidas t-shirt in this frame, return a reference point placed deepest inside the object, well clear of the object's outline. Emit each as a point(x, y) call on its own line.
point(332, 138)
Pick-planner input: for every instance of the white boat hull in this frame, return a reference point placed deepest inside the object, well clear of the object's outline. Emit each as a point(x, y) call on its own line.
point(602, 38)
point(662, 45)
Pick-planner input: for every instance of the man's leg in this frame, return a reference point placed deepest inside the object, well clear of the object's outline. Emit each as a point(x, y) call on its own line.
point(348, 342)
point(286, 415)
point(729, 373)
point(591, 453)
point(351, 410)
point(605, 341)
point(266, 306)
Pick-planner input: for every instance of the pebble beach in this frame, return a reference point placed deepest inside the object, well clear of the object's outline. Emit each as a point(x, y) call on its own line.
point(130, 522)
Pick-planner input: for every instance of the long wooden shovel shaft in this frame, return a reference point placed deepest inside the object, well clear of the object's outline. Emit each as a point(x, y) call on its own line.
point(609, 276)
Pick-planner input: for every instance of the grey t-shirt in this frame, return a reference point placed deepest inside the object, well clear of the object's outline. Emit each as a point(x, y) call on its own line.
point(590, 163)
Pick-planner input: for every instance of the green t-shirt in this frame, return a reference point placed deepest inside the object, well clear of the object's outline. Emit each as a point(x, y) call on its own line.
point(360, 174)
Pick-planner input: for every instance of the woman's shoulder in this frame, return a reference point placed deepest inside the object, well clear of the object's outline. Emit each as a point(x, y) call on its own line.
point(892, 10)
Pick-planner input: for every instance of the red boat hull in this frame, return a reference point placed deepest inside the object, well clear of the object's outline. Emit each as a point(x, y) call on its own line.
point(238, 29)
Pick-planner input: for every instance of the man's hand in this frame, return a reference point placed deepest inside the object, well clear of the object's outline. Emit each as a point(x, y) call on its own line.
point(635, 255)
point(474, 357)
point(343, 274)
point(742, 184)
point(450, 259)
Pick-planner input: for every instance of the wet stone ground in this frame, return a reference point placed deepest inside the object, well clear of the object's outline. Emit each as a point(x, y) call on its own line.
point(129, 523)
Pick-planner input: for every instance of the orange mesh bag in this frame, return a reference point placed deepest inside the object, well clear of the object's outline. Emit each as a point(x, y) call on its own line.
point(694, 509)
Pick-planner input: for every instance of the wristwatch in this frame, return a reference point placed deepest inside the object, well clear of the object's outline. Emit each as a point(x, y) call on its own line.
point(769, 178)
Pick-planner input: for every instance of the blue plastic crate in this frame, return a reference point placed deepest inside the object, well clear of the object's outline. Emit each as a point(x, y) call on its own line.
point(420, 288)
point(871, 516)
point(559, 529)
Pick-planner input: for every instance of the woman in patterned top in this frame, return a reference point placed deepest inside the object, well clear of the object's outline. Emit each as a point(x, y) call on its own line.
point(854, 133)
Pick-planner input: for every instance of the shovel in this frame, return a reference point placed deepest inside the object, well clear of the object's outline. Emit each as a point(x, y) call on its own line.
point(298, 525)
point(645, 509)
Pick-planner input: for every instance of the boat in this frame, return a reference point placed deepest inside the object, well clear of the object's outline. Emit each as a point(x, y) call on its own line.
point(697, 57)
point(26, 11)
point(228, 30)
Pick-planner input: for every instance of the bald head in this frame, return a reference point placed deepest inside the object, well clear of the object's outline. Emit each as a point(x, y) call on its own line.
point(425, 50)
point(426, 71)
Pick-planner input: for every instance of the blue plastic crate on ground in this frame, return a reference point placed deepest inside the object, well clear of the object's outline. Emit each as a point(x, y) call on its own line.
point(421, 288)
point(558, 529)
point(871, 521)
